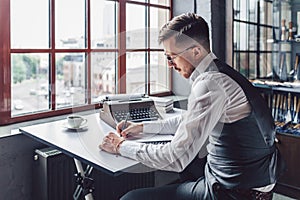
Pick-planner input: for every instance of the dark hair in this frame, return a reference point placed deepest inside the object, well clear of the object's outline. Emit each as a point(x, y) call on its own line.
point(186, 26)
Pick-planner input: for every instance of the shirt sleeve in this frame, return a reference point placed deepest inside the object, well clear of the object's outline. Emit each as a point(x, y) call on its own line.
point(168, 126)
point(206, 105)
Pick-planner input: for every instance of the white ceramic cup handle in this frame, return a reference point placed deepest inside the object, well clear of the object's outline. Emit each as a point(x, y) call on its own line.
point(83, 122)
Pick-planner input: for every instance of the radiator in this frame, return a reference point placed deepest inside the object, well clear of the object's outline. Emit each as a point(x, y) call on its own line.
point(54, 178)
point(108, 187)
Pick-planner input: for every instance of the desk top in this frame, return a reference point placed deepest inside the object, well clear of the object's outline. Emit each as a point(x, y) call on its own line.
point(81, 144)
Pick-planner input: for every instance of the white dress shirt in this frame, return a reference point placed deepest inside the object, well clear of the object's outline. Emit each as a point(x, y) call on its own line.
point(214, 98)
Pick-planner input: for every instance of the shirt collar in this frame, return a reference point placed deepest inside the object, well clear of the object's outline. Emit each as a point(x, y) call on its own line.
point(203, 65)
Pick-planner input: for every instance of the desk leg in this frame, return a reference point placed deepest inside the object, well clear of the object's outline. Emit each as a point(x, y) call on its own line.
point(84, 174)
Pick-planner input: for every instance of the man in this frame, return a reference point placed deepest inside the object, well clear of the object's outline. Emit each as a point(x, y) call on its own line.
point(226, 120)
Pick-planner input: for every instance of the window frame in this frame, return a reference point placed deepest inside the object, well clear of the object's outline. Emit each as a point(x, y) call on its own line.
point(258, 52)
point(6, 51)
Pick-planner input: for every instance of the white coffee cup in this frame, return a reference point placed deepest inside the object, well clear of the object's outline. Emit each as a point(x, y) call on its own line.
point(75, 121)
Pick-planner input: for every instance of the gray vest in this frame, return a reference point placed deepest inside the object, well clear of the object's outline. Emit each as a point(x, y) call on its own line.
point(243, 154)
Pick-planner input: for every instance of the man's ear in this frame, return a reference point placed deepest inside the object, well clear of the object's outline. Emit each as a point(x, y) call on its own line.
point(197, 51)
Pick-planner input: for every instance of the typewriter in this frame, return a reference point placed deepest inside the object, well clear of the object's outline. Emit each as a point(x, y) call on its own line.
point(138, 108)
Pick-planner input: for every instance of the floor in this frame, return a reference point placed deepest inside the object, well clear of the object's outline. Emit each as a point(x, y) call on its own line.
point(281, 197)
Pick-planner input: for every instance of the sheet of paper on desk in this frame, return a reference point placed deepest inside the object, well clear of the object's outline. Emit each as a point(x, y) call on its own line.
point(154, 138)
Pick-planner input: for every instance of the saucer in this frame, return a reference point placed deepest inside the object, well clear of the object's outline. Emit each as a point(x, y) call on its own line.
point(66, 125)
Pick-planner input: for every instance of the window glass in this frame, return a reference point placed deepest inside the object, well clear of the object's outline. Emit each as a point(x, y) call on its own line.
point(29, 24)
point(265, 34)
point(266, 64)
point(158, 18)
point(252, 34)
point(246, 63)
point(159, 73)
point(103, 74)
point(70, 79)
point(135, 72)
point(286, 11)
point(236, 61)
point(251, 65)
point(236, 36)
point(70, 24)
point(143, 1)
point(245, 10)
point(160, 2)
point(29, 83)
point(82, 51)
point(241, 36)
point(252, 16)
point(103, 24)
point(266, 13)
point(236, 9)
point(245, 36)
point(249, 32)
point(135, 26)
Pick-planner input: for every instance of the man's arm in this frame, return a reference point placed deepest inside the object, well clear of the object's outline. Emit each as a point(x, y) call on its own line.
point(204, 111)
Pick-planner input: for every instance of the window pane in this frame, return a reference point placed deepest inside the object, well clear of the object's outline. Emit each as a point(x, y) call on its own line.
point(135, 72)
point(70, 79)
point(265, 64)
point(29, 86)
point(244, 64)
point(236, 9)
point(241, 36)
point(245, 10)
point(245, 37)
point(158, 18)
point(144, 1)
point(161, 2)
point(103, 24)
point(247, 64)
point(266, 13)
point(265, 34)
point(70, 24)
point(236, 61)
point(103, 74)
point(252, 33)
point(252, 11)
point(159, 73)
point(236, 36)
point(286, 10)
point(251, 65)
point(29, 22)
point(135, 26)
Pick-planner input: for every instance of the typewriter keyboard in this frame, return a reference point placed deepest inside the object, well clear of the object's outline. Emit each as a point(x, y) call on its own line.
point(137, 115)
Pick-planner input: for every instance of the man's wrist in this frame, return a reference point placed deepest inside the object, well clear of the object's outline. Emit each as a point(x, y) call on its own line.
point(119, 144)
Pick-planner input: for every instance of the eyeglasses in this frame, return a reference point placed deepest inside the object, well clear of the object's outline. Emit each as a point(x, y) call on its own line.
point(171, 58)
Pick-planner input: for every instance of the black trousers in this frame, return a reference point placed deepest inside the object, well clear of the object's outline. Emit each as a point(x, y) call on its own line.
point(193, 186)
point(180, 191)
point(197, 190)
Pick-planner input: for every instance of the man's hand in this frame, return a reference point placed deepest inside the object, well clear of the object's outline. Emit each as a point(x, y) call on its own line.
point(131, 129)
point(111, 143)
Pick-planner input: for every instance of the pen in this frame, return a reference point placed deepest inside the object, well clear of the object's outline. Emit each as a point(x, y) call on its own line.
point(125, 122)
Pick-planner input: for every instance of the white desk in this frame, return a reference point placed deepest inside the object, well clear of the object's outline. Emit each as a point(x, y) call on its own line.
point(83, 145)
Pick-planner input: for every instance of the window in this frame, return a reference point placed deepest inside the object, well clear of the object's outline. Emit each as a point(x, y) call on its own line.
point(145, 61)
point(253, 26)
point(61, 55)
